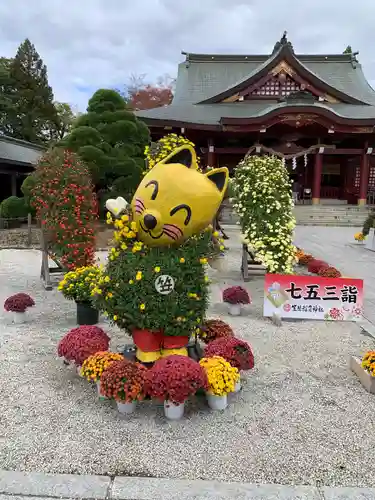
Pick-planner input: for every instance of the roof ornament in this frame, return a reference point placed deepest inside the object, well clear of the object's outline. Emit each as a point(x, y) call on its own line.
point(282, 43)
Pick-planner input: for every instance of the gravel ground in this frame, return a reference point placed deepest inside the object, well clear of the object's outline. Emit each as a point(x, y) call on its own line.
point(302, 417)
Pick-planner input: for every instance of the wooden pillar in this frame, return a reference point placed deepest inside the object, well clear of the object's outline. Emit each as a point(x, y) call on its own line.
point(13, 179)
point(317, 179)
point(364, 178)
point(211, 159)
point(343, 176)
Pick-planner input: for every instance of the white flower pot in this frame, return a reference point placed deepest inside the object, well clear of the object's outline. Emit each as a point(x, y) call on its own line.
point(235, 309)
point(19, 318)
point(126, 408)
point(237, 387)
point(98, 388)
point(78, 368)
point(172, 411)
point(217, 402)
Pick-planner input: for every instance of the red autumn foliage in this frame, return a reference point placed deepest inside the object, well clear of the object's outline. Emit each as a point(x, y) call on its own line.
point(315, 266)
point(80, 343)
point(149, 97)
point(18, 302)
point(66, 206)
point(236, 295)
point(175, 378)
point(124, 381)
point(237, 352)
point(329, 272)
point(213, 329)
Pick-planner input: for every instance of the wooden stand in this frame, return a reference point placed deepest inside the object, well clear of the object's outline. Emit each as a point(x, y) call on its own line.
point(249, 266)
point(45, 270)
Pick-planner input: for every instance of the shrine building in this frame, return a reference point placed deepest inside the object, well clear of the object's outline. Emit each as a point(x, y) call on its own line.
point(17, 160)
point(315, 111)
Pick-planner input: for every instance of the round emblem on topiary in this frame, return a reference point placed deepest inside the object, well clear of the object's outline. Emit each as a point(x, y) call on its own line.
point(263, 201)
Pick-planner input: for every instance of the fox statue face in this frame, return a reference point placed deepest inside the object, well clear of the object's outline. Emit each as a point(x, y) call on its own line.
point(174, 201)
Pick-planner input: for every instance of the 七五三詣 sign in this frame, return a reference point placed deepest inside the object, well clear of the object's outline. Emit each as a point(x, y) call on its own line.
point(313, 297)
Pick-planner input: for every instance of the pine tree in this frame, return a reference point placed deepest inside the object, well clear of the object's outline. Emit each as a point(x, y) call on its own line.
point(111, 141)
point(348, 50)
point(32, 111)
point(5, 95)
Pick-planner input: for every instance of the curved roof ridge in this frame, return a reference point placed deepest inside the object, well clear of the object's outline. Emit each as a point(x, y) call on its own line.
point(202, 57)
point(285, 52)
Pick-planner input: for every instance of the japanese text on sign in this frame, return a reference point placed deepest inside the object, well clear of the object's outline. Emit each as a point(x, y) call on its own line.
point(313, 297)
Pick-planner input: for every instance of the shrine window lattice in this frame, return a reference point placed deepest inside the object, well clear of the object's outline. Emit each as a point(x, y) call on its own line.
point(275, 87)
point(371, 180)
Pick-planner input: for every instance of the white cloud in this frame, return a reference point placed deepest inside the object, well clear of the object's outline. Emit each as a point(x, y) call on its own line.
point(100, 43)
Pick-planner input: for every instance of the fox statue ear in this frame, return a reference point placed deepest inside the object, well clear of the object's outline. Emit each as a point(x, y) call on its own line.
point(220, 177)
point(184, 155)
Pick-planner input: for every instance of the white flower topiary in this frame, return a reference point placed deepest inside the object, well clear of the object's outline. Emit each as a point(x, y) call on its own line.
point(263, 201)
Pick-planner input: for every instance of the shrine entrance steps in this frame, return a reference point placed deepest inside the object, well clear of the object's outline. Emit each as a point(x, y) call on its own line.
point(317, 215)
point(331, 215)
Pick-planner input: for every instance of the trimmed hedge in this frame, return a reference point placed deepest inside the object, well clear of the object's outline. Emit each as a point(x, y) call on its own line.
point(13, 208)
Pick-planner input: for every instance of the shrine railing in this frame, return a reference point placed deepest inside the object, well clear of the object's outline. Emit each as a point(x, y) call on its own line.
point(329, 192)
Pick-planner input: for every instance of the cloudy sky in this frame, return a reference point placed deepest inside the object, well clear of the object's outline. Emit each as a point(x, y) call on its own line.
point(89, 44)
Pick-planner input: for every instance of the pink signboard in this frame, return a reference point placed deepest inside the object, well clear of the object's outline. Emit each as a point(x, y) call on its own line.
point(313, 297)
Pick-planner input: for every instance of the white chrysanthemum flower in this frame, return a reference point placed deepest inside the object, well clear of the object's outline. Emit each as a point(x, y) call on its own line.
point(264, 204)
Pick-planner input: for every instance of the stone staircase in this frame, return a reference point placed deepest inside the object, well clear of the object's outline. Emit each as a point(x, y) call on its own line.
point(330, 215)
point(318, 215)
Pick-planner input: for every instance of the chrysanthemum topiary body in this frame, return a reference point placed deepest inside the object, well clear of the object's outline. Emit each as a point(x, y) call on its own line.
point(132, 301)
point(263, 201)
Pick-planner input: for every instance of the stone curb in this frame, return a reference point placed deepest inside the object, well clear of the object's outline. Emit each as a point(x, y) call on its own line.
point(36, 485)
point(368, 327)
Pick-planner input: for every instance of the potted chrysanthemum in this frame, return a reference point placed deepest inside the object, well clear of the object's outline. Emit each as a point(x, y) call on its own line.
point(80, 343)
point(77, 285)
point(18, 305)
point(172, 380)
point(124, 382)
point(236, 351)
point(213, 329)
point(236, 296)
point(94, 366)
point(359, 238)
point(222, 378)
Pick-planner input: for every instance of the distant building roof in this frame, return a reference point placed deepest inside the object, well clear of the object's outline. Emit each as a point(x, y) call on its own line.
point(19, 152)
point(206, 83)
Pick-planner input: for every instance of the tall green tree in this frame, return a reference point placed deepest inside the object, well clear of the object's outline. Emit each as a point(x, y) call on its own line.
point(111, 141)
point(32, 111)
point(5, 94)
point(348, 50)
point(64, 122)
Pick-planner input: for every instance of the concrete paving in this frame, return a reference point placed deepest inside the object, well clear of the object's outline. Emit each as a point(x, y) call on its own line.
point(336, 246)
point(34, 486)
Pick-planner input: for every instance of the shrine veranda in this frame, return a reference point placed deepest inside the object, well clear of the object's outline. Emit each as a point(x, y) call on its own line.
point(299, 417)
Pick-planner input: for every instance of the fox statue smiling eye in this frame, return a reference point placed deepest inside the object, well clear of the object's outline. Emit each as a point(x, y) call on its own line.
point(174, 201)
